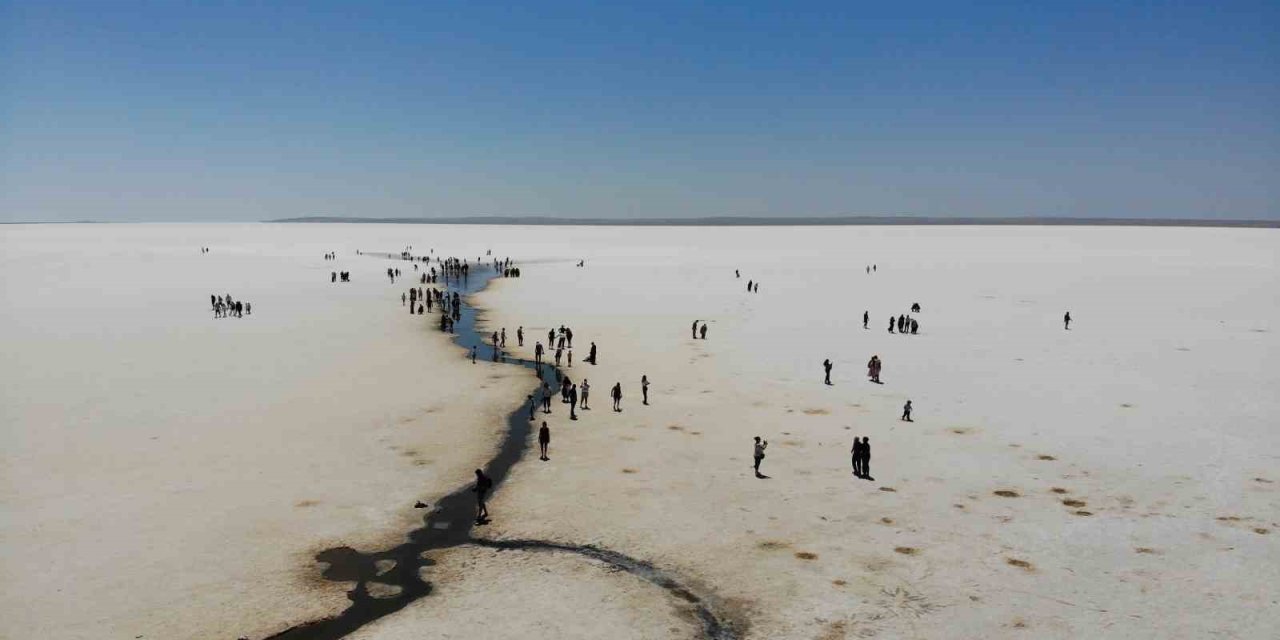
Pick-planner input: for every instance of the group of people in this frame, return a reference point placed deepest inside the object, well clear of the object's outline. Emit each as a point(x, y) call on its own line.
point(699, 328)
point(906, 324)
point(225, 307)
point(332, 255)
point(335, 276)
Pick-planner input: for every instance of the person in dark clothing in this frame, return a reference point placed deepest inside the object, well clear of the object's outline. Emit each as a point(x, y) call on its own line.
point(483, 485)
point(568, 338)
point(915, 307)
point(915, 327)
point(537, 353)
point(694, 330)
point(703, 330)
point(856, 454)
point(892, 321)
point(1066, 321)
point(616, 393)
point(573, 402)
point(826, 365)
point(866, 458)
point(520, 336)
point(748, 286)
point(544, 440)
point(906, 411)
point(551, 338)
point(591, 355)
point(644, 388)
point(473, 355)
point(533, 406)
point(866, 318)
point(902, 323)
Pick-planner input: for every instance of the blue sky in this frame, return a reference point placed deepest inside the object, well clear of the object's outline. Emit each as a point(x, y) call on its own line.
point(238, 111)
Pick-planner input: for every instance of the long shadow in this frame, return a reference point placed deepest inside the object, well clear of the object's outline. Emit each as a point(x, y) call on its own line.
point(400, 580)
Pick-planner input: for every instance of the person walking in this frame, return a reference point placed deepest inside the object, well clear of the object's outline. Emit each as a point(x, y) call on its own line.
point(758, 454)
point(533, 406)
point(873, 369)
point(544, 441)
point(483, 485)
point(617, 397)
point(906, 412)
point(826, 365)
point(644, 388)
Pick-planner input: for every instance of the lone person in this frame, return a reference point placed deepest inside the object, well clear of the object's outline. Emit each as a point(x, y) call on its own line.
point(906, 411)
point(644, 388)
point(483, 485)
point(694, 330)
point(866, 318)
point(544, 440)
point(759, 454)
point(1066, 321)
point(826, 365)
point(591, 355)
point(520, 335)
point(617, 397)
point(703, 330)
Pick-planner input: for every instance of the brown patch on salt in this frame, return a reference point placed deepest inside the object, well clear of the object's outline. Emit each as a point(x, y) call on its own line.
point(303, 504)
point(1146, 550)
point(1058, 490)
point(1261, 531)
point(1021, 564)
point(839, 583)
point(886, 520)
point(1019, 623)
point(1083, 513)
point(1263, 480)
point(1006, 493)
point(675, 427)
point(906, 551)
point(806, 555)
point(1126, 405)
point(1045, 457)
point(960, 431)
point(1229, 518)
point(1073, 503)
point(889, 489)
point(816, 412)
point(628, 470)
point(772, 545)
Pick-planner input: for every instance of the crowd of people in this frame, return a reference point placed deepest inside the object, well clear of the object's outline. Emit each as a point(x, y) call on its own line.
point(226, 307)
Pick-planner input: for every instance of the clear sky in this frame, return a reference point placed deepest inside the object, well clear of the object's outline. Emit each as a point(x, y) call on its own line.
point(209, 111)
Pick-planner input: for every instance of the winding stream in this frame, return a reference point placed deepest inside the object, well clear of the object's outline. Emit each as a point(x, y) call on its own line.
point(450, 522)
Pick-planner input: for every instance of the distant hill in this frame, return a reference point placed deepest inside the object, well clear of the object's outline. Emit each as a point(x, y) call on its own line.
point(741, 221)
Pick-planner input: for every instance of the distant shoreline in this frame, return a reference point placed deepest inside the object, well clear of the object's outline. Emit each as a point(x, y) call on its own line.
point(743, 221)
point(733, 221)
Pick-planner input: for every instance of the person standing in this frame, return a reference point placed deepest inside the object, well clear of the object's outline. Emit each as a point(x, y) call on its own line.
point(591, 355)
point(473, 354)
point(1066, 321)
point(586, 390)
point(617, 397)
point(758, 454)
point(544, 441)
point(537, 353)
point(866, 458)
point(866, 318)
point(856, 453)
point(483, 485)
point(504, 337)
point(694, 330)
point(573, 402)
point(906, 412)
point(826, 365)
point(533, 406)
point(520, 336)
point(703, 330)
point(559, 354)
point(644, 388)
point(892, 321)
